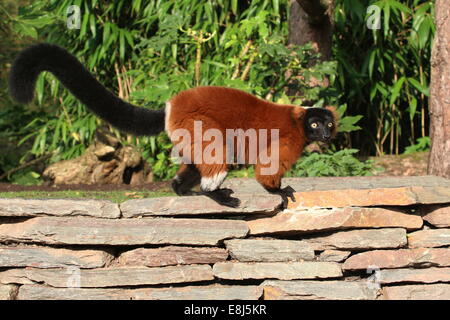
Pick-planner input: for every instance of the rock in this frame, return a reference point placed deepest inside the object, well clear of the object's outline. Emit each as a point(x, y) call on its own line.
point(269, 250)
point(428, 275)
point(429, 238)
point(43, 257)
point(334, 255)
point(401, 258)
point(248, 185)
point(404, 196)
point(58, 207)
point(93, 231)
point(313, 220)
point(198, 205)
point(418, 292)
point(105, 161)
point(107, 277)
point(360, 239)
point(7, 292)
point(172, 255)
point(318, 290)
point(210, 292)
point(276, 270)
point(438, 216)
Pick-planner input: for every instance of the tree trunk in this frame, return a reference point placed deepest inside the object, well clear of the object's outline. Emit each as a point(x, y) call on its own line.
point(439, 161)
point(311, 21)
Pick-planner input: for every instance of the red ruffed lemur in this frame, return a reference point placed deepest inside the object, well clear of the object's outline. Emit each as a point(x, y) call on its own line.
point(218, 108)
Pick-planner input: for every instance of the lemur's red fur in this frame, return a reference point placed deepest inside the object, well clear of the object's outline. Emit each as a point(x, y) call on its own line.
point(225, 108)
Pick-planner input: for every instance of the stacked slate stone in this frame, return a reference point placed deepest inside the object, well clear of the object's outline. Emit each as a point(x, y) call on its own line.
point(343, 238)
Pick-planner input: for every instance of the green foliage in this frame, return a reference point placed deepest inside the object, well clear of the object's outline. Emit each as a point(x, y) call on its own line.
point(147, 51)
point(338, 164)
point(422, 144)
point(384, 74)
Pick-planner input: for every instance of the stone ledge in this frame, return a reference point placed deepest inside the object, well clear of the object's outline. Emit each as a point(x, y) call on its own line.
point(107, 277)
point(318, 290)
point(429, 238)
point(360, 239)
point(180, 240)
point(18, 207)
point(428, 275)
point(313, 220)
point(276, 270)
point(269, 250)
point(404, 196)
point(44, 257)
point(248, 185)
point(93, 231)
point(401, 258)
point(418, 292)
point(211, 292)
point(172, 255)
point(198, 205)
point(438, 216)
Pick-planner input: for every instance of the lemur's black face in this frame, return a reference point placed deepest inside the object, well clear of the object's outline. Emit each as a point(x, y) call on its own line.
point(319, 124)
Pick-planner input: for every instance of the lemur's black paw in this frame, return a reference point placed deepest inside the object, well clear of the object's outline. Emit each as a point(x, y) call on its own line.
point(177, 187)
point(225, 192)
point(288, 192)
point(223, 197)
point(232, 202)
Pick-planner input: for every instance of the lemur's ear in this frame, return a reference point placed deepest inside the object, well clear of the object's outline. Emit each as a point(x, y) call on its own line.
point(333, 110)
point(298, 113)
point(336, 118)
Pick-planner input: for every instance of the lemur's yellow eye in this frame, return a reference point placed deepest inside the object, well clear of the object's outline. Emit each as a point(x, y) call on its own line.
point(330, 125)
point(313, 125)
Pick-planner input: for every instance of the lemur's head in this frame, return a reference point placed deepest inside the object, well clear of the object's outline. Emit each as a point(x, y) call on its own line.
point(320, 124)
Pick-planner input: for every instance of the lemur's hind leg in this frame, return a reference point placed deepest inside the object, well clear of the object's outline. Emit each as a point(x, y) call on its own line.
point(212, 177)
point(187, 177)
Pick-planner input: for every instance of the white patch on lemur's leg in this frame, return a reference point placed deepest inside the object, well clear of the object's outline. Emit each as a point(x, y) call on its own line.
point(167, 118)
point(212, 183)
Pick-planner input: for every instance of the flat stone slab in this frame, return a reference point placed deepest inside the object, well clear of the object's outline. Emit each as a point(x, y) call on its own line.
point(428, 275)
point(210, 292)
point(418, 292)
point(107, 277)
point(198, 205)
point(313, 220)
point(318, 290)
point(172, 255)
point(276, 270)
point(248, 185)
point(334, 255)
point(438, 217)
point(401, 258)
point(44, 257)
point(8, 292)
point(92, 231)
point(360, 239)
point(403, 196)
point(269, 250)
point(429, 238)
point(18, 207)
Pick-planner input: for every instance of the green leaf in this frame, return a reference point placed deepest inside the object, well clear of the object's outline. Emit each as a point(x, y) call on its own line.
point(419, 86)
point(396, 90)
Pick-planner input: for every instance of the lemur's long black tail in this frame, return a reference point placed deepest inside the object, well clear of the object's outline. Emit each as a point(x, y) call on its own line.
point(47, 57)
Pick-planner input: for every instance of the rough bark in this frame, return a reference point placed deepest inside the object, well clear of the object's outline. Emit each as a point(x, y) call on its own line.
point(439, 161)
point(310, 21)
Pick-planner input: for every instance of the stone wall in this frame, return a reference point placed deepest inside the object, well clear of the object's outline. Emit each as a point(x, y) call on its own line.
point(344, 238)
